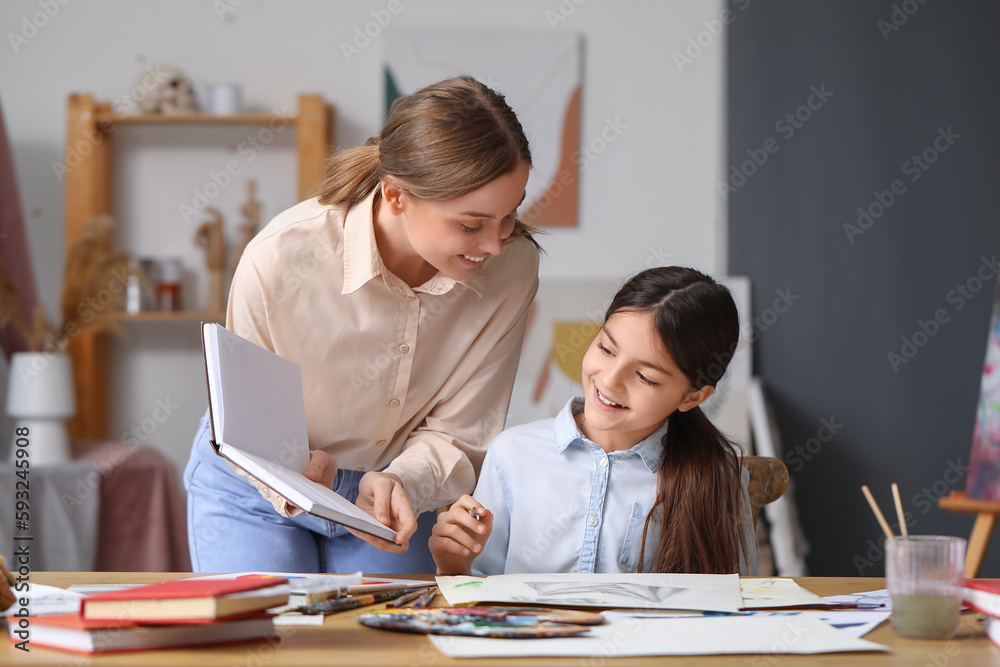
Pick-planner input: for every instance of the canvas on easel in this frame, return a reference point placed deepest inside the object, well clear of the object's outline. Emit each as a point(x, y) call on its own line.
point(984, 466)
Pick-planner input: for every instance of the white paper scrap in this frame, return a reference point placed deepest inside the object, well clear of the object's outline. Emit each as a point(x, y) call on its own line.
point(762, 635)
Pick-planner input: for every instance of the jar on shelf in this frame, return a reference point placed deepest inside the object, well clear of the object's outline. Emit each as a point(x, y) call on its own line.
point(168, 284)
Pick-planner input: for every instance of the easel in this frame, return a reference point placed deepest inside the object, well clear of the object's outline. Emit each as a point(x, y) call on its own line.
point(982, 530)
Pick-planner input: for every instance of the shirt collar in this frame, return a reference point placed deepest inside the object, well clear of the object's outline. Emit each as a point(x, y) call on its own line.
point(567, 432)
point(362, 261)
point(361, 258)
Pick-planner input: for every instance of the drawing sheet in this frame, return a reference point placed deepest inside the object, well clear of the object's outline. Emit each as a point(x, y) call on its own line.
point(710, 635)
point(701, 592)
point(776, 593)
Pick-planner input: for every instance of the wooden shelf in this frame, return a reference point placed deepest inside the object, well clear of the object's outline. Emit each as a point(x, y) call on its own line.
point(89, 149)
point(105, 115)
point(175, 316)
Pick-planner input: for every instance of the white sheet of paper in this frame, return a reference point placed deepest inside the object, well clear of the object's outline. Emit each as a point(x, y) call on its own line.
point(43, 600)
point(775, 593)
point(879, 597)
point(757, 634)
point(702, 592)
point(295, 618)
point(854, 623)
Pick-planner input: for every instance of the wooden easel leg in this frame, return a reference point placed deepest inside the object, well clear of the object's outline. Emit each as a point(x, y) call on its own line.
point(979, 541)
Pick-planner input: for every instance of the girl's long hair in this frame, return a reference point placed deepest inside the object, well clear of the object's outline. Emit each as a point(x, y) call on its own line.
point(443, 141)
point(699, 494)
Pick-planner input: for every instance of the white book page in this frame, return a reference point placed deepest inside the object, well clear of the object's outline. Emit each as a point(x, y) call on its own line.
point(307, 494)
point(257, 400)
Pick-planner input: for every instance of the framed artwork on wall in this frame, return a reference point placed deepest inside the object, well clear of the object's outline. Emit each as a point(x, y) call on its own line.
point(539, 74)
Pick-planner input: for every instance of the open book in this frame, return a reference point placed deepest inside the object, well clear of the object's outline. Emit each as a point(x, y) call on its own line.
point(258, 418)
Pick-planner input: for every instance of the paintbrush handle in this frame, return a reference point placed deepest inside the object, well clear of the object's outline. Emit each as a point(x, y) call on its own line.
point(343, 604)
point(409, 597)
point(425, 599)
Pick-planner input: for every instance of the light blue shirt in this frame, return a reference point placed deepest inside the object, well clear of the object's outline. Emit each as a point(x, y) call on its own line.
point(562, 504)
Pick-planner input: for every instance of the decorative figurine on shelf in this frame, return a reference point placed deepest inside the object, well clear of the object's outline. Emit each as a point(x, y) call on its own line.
point(251, 221)
point(167, 92)
point(211, 237)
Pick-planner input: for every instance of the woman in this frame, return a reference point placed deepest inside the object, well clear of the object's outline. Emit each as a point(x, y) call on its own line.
point(402, 291)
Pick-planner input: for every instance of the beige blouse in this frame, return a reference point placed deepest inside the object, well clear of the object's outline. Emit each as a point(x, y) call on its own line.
point(415, 381)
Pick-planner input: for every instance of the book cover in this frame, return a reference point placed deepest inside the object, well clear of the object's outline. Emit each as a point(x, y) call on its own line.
point(70, 632)
point(264, 432)
point(187, 600)
point(983, 595)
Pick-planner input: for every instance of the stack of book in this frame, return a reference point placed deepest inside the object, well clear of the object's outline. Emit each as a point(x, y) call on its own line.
point(984, 597)
point(181, 612)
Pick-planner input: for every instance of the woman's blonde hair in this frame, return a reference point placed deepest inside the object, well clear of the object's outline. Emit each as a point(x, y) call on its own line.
point(443, 141)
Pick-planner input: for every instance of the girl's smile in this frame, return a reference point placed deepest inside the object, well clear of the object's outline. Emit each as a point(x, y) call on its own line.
point(603, 400)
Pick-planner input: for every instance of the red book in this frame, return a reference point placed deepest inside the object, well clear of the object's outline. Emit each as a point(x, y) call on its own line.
point(187, 600)
point(69, 632)
point(983, 595)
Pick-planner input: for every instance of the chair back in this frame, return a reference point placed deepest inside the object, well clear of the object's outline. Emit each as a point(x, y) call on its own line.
point(768, 480)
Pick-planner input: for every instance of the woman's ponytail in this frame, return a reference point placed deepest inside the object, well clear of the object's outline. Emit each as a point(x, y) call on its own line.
point(351, 175)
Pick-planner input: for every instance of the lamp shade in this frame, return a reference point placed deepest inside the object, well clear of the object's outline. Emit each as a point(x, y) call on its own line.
point(40, 386)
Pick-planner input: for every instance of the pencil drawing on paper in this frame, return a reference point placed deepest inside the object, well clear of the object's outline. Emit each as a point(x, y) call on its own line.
point(583, 592)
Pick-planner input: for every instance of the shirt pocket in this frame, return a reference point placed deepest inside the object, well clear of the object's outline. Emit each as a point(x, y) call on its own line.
point(629, 556)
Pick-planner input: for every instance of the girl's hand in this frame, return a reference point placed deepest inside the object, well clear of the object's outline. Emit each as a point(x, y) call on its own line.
point(381, 495)
point(458, 537)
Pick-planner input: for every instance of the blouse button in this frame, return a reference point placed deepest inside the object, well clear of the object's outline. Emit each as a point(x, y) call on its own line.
point(592, 521)
point(411, 297)
point(604, 462)
point(404, 348)
point(394, 403)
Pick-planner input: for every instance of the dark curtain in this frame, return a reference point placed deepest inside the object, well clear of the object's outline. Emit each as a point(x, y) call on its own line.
point(14, 255)
point(863, 200)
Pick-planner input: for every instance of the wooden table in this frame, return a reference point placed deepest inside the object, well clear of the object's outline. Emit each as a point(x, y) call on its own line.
point(342, 641)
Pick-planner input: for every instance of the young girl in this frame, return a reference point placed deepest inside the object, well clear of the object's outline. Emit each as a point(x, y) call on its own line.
point(402, 292)
point(631, 477)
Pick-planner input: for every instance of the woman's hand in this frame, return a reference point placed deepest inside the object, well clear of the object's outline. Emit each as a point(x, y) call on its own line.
point(321, 468)
point(458, 537)
point(381, 495)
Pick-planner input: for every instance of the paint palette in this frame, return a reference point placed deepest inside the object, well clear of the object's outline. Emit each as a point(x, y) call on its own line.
point(496, 622)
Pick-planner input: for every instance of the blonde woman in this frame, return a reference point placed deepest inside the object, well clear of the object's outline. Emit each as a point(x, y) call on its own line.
point(402, 290)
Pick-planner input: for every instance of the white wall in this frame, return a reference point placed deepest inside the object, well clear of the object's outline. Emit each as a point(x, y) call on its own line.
point(648, 199)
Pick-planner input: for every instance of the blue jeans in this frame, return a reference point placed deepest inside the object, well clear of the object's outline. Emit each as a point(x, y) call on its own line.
point(232, 528)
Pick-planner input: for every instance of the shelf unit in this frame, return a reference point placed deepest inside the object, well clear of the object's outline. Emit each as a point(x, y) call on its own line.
point(90, 149)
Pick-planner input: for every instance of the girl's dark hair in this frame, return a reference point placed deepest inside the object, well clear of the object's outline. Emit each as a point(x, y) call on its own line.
point(699, 494)
point(443, 141)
